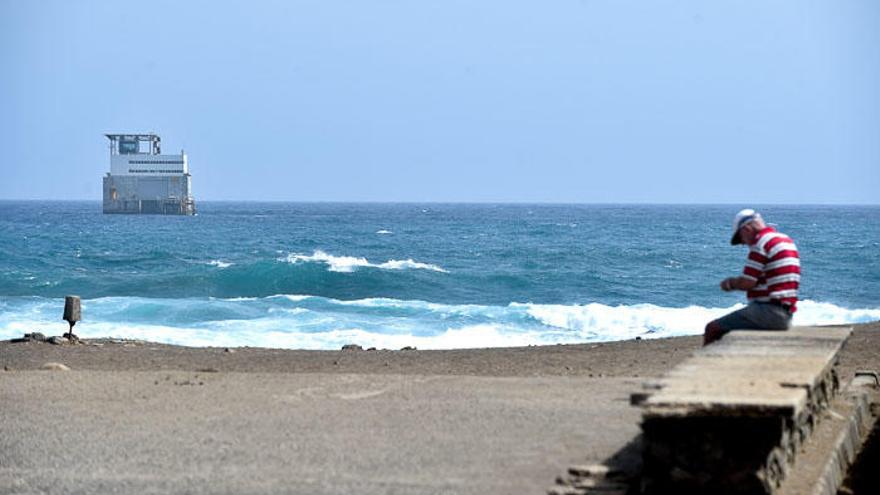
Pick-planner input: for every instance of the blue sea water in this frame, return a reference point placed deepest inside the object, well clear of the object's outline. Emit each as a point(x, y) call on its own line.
point(320, 275)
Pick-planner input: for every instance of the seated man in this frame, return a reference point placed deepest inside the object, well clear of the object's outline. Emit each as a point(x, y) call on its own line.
point(770, 278)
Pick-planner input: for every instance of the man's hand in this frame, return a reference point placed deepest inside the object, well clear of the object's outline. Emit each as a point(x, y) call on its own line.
point(737, 283)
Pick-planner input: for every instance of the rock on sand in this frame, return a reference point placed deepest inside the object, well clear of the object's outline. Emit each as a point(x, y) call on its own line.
point(54, 367)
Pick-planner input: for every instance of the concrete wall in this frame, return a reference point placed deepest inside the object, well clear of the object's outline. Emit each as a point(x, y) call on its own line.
point(152, 194)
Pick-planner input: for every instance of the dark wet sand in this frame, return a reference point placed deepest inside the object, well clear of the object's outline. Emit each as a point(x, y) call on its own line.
point(135, 417)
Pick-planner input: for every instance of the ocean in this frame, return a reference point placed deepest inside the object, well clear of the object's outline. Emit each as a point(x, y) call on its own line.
point(433, 276)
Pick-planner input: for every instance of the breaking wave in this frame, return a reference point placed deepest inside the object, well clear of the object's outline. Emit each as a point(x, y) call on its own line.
point(312, 322)
point(348, 264)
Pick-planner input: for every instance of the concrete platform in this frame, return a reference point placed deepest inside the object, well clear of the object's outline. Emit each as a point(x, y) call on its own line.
point(731, 418)
point(750, 372)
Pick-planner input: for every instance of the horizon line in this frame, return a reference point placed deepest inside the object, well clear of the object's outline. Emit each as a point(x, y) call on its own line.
point(470, 202)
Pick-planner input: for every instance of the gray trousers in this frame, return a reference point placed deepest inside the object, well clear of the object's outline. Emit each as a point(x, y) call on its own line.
point(756, 316)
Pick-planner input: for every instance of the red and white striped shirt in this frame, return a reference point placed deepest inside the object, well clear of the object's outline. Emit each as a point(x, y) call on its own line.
point(774, 264)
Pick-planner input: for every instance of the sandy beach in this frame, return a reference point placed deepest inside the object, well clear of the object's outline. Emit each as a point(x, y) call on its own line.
point(139, 417)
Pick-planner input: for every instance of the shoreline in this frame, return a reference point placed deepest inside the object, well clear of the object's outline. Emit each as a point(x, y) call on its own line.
point(315, 322)
point(625, 358)
point(606, 359)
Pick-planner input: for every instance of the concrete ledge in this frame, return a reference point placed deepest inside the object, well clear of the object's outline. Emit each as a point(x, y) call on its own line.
point(732, 418)
point(823, 466)
point(764, 371)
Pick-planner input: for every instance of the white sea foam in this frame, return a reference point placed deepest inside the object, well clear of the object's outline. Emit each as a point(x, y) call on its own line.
point(602, 322)
point(335, 263)
point(384, 232)
point(627, 321)
point(347, 264)
point(220, 264)
point(410, 264)
point(820, 313)
point(312, 322)
point(292, 297)
point(468, 337)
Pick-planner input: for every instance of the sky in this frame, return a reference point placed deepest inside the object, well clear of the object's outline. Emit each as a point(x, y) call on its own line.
point(582, 101)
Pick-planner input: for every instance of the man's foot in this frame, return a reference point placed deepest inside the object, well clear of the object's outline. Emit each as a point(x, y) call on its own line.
point(713, 332)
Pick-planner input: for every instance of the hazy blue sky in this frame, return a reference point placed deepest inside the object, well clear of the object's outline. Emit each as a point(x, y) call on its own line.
point(489, 100)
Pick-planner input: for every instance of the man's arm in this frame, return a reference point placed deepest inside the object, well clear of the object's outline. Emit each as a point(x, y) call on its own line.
point(738, 283)
point(749, 279)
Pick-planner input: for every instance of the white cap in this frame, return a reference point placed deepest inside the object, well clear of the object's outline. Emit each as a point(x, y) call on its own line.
point(742, 218)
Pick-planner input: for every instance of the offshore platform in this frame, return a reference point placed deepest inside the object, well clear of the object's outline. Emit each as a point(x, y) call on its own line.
point(143, 180)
